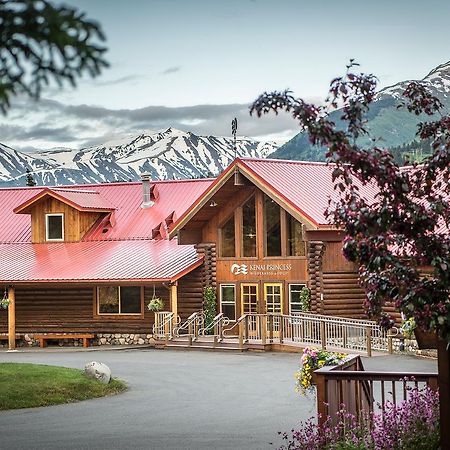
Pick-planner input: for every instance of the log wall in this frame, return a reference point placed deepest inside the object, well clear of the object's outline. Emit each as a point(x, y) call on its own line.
point(71, 309)
point(190, 293)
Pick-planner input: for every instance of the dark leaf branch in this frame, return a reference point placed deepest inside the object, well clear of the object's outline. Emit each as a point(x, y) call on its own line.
point(40, 42)
point(394, 236)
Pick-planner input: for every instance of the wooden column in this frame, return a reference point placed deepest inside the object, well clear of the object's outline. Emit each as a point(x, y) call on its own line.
point(12, 318)
point(174, 299)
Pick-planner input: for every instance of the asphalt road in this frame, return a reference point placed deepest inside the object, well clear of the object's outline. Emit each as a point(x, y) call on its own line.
point(176, 400)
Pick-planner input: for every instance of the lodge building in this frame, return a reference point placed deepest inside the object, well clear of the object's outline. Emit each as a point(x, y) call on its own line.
point(89, 258)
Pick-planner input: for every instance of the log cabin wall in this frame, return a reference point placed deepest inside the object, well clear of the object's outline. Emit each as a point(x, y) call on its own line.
point(71, 309)
point(190, 293)
point(315, 275)
point(76, 223)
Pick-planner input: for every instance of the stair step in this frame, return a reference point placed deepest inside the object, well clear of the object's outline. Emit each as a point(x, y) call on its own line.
point(176, 346)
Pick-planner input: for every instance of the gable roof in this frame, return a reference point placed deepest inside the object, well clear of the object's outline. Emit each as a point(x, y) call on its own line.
point(80, 199)
point(124, 201)
point(302, 188)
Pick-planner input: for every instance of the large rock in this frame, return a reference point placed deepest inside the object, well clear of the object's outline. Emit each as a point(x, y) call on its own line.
point(99, 371)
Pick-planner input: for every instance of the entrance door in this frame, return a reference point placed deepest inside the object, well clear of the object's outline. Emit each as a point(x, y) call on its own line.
point(273, 300)
point(249, 298)
point(249, 305)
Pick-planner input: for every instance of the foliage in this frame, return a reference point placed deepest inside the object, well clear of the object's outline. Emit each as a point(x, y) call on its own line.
point(209, 305)
point(4, 302)
point(30, 179)
point(42, 42)
point(313, 359)
point(412, 424)
point(305, 299)
point(155, 304)
point(408, 327)
point(392, 235)
point(31, 385)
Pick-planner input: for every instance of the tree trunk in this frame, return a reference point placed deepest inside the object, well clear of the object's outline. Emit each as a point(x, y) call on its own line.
point(444, 392)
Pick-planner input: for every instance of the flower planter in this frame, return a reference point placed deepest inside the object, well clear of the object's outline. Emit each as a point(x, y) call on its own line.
point(426, 339)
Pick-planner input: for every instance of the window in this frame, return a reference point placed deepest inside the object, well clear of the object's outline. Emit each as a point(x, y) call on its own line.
point(227, 239)
point(272, 227)
point(249, 228)
point(295, 239)
point(119, 299)
point(249, 298)
point(295, 305)
point(228, 300)
point(54, 227)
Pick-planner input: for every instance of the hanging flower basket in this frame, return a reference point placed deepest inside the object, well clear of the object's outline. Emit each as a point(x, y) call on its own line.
point(426, 339)
point(4, 303)
point(155, 305)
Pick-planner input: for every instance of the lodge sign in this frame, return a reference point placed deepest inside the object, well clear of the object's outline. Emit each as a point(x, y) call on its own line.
point(260, 269)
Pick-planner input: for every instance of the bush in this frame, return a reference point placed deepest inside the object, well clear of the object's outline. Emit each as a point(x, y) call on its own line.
point(209, 305)
point(412, 424)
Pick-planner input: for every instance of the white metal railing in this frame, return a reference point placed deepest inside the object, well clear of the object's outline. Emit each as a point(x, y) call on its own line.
point(312, 329)
point(215, 328)
point(164, 324)
point(191, 326)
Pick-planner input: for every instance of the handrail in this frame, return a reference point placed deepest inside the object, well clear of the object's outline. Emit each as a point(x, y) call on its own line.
point(226, 332)
point(216, 326)
point(164, 323)
point(191, 325)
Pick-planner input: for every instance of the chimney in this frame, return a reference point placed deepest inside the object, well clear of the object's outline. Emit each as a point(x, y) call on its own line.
point(146, 200)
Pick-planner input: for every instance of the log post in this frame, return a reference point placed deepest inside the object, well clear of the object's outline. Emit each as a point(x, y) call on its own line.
point(323, 335)
point(263, 325)
point(11, 318)
point(174, 301)
point(369, 341)
point(241, 335)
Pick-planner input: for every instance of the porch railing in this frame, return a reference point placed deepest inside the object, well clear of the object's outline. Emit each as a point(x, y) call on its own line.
point(363, 392)
point(216, 327)
point(191, 326)
point(164, 325)
point(311, 329)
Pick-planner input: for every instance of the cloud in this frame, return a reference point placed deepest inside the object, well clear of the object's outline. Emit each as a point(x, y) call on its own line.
point(50, 123)
point(170, 70)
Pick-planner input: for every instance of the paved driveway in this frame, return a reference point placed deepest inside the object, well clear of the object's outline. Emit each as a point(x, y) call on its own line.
point(176, 400)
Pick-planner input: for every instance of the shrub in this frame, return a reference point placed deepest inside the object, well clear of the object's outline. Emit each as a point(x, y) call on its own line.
point(209, 305)
point(305, 299)
point(412, 424)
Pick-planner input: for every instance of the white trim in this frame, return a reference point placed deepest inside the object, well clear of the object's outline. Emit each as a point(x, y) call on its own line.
point(228, 302)
point(62, 225)
point(289, 295)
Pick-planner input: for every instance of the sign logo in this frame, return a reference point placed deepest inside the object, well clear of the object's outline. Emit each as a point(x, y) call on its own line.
point(241, 269)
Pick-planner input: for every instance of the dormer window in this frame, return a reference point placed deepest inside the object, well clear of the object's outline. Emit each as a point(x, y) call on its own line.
point(54, 227)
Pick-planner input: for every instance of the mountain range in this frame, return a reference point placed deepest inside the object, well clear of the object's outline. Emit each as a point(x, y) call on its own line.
point(165, 155)
point(390, 126)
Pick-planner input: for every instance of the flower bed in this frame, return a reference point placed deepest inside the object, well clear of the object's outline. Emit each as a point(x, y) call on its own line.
point(412, 424)
point(312, 359)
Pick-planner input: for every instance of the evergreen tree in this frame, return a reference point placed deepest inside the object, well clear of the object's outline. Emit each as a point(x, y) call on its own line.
point(30, 179)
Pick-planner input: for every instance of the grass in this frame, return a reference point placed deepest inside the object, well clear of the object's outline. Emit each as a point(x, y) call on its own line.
point(31, 385)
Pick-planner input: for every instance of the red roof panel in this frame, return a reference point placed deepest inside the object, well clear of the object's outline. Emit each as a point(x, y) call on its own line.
point(107, 261)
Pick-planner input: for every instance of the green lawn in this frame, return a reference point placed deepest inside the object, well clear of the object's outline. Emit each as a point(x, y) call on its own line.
point(31, 385)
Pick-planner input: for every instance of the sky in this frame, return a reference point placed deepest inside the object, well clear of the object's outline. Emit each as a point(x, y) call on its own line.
point(197, 64)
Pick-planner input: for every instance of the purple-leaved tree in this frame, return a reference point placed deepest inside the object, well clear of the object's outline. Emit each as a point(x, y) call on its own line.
point(399, 239)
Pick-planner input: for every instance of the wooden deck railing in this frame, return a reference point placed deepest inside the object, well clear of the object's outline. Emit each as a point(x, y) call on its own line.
point(361, 391)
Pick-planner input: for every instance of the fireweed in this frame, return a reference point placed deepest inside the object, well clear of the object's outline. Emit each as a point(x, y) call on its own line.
point(413, 424)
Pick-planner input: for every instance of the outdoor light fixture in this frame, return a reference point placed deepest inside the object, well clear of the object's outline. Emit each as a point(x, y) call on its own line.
point(213, 204)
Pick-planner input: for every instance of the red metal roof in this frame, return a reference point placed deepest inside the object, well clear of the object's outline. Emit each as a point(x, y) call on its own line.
point(130, 220)
point(305, 186)
point(81, 199)
point(105, 261)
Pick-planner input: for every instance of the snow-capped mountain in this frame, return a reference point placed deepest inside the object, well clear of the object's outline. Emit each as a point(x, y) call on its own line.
point(165, 155)
point(388, 125)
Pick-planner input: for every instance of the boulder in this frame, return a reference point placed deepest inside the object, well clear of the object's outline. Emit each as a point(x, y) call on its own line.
point(99, 371)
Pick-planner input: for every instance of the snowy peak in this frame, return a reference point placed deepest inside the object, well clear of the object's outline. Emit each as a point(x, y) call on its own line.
point(168, 154)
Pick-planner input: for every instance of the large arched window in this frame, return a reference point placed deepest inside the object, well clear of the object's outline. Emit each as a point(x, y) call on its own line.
point(249, 228)
point(227, 239)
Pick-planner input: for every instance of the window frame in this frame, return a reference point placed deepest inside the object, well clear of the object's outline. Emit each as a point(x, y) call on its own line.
point(233, 285)
point(220, 236)
point(119, 314)
point(289, 295)
point(241, 228)
point(47, 238)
